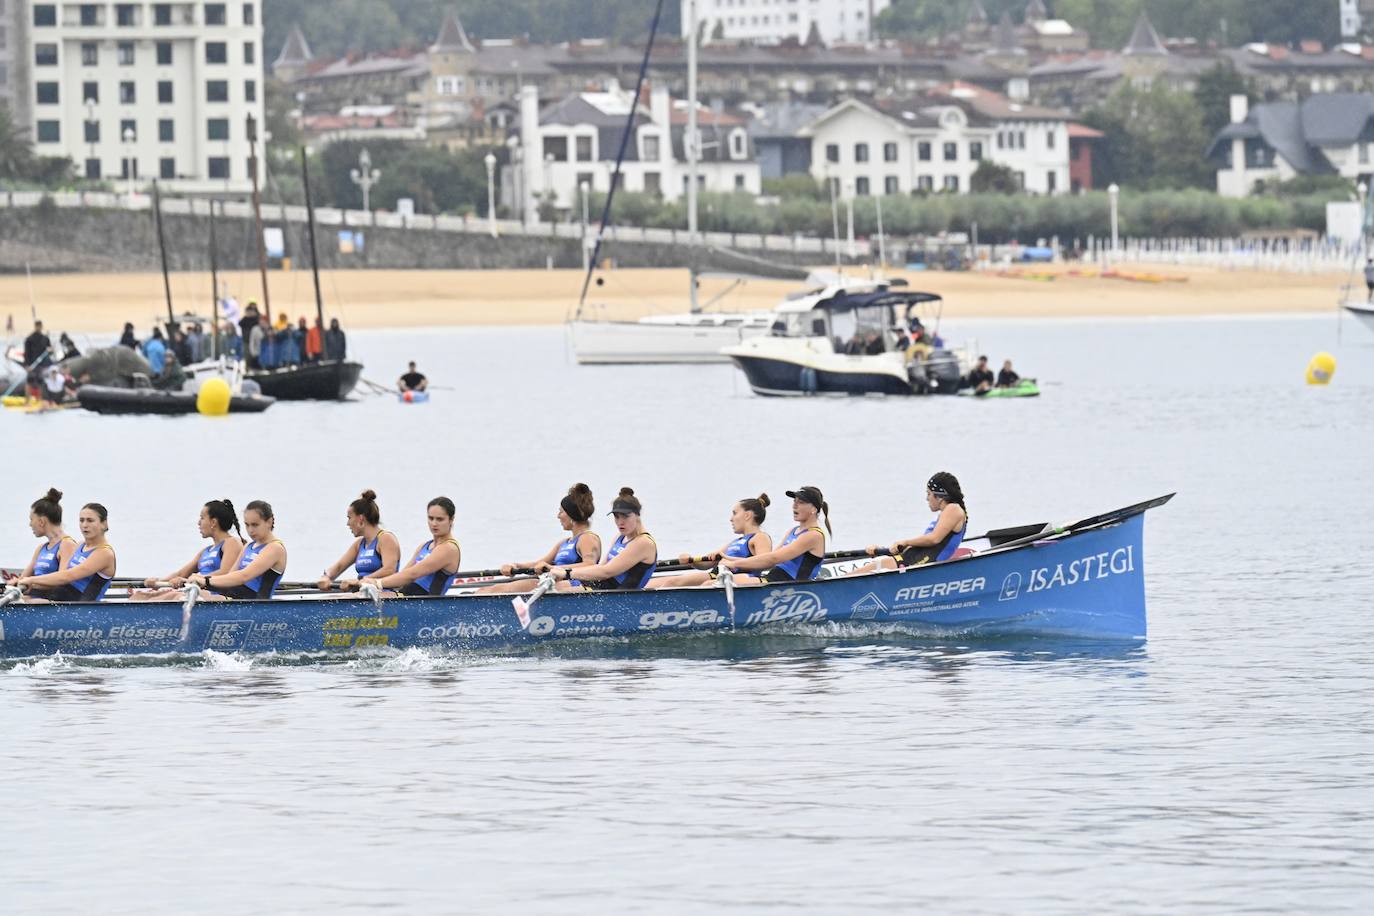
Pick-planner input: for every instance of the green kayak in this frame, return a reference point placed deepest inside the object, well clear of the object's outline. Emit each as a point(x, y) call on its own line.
point(1026, 388)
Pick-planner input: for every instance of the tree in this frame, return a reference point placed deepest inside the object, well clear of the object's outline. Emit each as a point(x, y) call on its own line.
point(1154, 138)
point(1215, 86)
point(16, 152)
point(793, 186)
point(991, 177)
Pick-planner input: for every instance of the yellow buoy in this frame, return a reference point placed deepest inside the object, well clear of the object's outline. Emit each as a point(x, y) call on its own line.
point(213, 398)
point(1321, 368)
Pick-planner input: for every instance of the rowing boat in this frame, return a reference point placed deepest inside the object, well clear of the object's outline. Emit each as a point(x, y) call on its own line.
point(1082, 580)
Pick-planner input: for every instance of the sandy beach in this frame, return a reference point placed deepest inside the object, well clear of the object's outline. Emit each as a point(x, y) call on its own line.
point(101, 303)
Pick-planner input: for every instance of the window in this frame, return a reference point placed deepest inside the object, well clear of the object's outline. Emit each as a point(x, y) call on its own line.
point(584, 149)
point(125, 54)
point(739, 148)
point(126, 93)
point(951, 182)
point(449, 85)
point(45, 55)
point(91, 131)
point(1020, 179)
point(215, 15)
point(1020, 139)
point(951, 152)
point(47, 93)
point(167, 167)
point(162, 14)
point(739, 183)
point(1049, 139)
point(128, 130)
point(589, 180)
point(890, 185)
point(90, 14)
point(651, 149)
point(44, 14)
point(164, 92)
point(925, 183)
point(216, 52)
point(250, 90)
point(889, 152)
point(217, 91)
point(164, 53)
point(217, 129)
point(556, 147)
point(832, 152)
point(923, 151)
point(128, 167)
point(1051, 181)
point(126, 14)
point(166, 133)
point(92, 168)
point(49, 131)
point(90, 92)
point(1364, 153)
point(1001, 140)
point(975, 151)
point(861, 187)
point(250, 52)
point(860, 152)
point(653, 182)
point(90, 54)
point(218, 167)
point(248, 14)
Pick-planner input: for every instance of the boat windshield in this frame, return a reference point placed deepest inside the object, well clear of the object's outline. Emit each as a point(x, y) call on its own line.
point(861, 330)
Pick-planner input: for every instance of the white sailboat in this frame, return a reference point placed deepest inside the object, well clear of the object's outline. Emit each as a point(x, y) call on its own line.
point(694, 336)
point(1361, 309)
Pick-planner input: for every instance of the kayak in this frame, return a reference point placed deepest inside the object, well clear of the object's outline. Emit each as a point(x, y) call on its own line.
point(413, 397)
point(1082, 580)
point(1026, 388)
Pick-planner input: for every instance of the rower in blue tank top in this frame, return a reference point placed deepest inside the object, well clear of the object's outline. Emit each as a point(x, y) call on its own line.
point(374, 554)
point(434, 566)
point(630, 561)
point(942, 536)
point(49, 556)
point(45, 521)
point(88, 573)
point(799, 556)
point(260, 566)
point(581, 546)
point(217, 521)
point(745, 519)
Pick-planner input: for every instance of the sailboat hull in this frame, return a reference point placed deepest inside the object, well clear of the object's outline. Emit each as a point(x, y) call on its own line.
point(328, 380)
point(1364, 311)
point(666, 339)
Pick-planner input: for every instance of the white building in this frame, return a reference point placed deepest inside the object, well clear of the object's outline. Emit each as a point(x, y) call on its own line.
point(774, 21)
point(576, 140)
point(936, 142)
point(148, 90)
point(1324, 134)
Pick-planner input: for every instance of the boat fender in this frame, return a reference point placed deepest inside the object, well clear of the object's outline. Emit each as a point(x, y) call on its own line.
point(808, 380)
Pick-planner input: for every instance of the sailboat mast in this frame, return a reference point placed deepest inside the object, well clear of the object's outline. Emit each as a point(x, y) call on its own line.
point(310, 223)
point(692, 147)
point(162, 251)
point(214, 284)
point(257, 214)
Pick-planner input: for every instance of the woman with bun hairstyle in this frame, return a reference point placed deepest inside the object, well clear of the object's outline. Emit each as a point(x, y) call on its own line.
point(942, 536)
point(581, 546)
point(261, 564)
point(630, 561)
point(374, 552)
point(798, 558)
point(745, 519)
point(217, 518)
point(87, 574)
point(434, 566)
point(45, 521)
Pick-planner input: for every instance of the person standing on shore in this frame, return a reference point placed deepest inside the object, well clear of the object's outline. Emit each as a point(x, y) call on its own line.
point(127, 339)
point(37, 348)
point(155, 351)
point(249, 321)
point(335, 343)
point(314, 341)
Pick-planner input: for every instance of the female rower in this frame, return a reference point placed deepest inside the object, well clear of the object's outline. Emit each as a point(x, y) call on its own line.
point(45, 521)
point(434, 566)
point(581, 546)
point(260, 566)
point(942, 536)
point(217, 517)
point(630, 562)
point(88, 572)
point(374, 552)
point(745, 519)
point(798, 558)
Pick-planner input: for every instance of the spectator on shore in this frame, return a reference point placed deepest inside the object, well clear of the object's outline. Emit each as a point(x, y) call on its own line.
point(37, 348)
point(172, 376)
point(155, 351)
point(270, 355)
point(181, 346)
point(283, 323)
point(254, 338)
point(250, 319)
point(335, 342)
point(69, 350)
point(314, 341)
point(230, 343)
point(195, 343)
point(127, 339)
point(1007, 377)
point(980, 377)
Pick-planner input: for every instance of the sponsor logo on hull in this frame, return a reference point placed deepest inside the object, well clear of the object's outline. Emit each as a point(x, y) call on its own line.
point(462, 631)
point(867, 607)
point(679, 620)
point(541, 626)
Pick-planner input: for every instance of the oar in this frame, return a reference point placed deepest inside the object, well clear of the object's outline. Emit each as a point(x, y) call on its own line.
point(12, 594)
point(725, 577)
point(522, 605)
point(1092, 521)
point(192, 591)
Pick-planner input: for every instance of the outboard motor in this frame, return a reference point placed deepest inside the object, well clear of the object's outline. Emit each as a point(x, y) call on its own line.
point(942, 370)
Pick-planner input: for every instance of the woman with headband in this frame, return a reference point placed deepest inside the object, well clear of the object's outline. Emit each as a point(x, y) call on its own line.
point(942, 536)
point(582, 546)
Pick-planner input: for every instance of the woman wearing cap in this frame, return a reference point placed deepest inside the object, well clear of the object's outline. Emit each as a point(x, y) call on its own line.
point(631, 559)
point(582, 546)
point(374, 551)
point(798, 558)
point(942, 536)
point(749, 540)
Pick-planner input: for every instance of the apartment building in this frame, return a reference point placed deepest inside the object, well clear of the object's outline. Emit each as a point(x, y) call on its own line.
point(776, 21)
point(146, 90)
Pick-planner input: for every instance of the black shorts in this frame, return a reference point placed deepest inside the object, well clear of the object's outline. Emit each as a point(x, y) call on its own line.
point(239, 592)
point(917, 556)
point(63, 593)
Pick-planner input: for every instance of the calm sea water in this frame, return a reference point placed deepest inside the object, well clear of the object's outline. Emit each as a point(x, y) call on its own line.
point(1223, 766)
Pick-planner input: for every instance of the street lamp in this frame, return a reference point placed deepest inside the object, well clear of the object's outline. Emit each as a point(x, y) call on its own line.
point(365, 176)
point(490, 161)
point(129, 162)
point(517, 159)
point(1112, 193)
point(849, 212)
point(586, 252)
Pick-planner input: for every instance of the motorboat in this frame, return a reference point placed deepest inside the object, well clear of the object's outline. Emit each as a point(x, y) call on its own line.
point(1361, 310)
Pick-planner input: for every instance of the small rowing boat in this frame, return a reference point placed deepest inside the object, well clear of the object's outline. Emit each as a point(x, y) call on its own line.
point(1026, 388)
point(1085, 579)
point(413, 397)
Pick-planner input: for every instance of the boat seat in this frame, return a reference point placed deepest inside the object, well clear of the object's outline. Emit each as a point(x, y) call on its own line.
point(962, 552)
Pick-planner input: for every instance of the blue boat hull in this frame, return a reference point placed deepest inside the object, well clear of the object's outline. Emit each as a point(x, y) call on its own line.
point(1088, 584)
